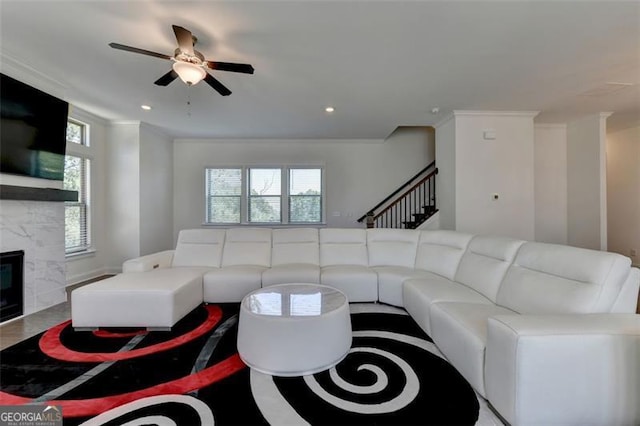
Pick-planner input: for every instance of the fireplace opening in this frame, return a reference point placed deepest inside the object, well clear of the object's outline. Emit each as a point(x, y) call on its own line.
point(11, 284)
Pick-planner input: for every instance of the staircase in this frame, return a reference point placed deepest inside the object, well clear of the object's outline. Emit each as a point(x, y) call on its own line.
point(409, 206)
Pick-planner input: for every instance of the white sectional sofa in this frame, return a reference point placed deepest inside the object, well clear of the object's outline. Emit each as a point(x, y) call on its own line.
point(546, 333)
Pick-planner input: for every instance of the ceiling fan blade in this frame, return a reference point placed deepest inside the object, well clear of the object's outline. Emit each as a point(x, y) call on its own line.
point(136, 50)
point(167, 78)
point(230, 66)
point(211, 81)
point(185, 39)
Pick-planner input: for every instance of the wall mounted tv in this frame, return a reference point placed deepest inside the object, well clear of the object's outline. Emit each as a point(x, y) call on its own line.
point(33, 131)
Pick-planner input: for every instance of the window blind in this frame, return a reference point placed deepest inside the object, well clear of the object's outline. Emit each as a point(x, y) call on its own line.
point(76, 178)
point(224, 189)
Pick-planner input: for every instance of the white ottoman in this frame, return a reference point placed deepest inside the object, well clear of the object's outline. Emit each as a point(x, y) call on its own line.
point(294, 329)
point(154, 299)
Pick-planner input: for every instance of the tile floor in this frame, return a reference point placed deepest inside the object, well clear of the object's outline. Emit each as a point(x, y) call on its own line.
point(22, 328)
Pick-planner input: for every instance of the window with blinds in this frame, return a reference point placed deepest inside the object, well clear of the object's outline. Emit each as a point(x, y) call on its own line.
point(265, 190)
point(305, 195)
point(266, 195)
point(76, 178)
point(224, 189)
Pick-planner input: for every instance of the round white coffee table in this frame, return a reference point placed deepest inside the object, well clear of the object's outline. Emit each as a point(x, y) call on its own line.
point(294, 329)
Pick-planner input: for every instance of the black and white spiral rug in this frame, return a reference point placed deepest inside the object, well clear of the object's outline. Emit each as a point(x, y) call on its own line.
point(393, 375)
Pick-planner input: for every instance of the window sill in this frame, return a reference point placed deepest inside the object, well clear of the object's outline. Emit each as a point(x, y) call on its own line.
point(80, 254)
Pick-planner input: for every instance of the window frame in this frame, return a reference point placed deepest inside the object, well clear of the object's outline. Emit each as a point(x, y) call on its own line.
point(81, 151)
point(321, 196)
point(208, 195)
point(249, 196)
point(284, 196)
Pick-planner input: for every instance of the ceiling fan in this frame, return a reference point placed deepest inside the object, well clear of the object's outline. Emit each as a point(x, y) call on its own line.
point(189, 64)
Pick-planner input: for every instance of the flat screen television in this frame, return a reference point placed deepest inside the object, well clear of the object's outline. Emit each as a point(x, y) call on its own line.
point(33, 131)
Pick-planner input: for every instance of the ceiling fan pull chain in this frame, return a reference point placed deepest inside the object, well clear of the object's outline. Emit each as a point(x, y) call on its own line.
point(189, 100)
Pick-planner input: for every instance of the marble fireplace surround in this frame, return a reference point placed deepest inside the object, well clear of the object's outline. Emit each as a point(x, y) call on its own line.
point(37, 227)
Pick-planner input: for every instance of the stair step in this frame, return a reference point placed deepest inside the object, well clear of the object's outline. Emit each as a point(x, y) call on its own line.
point(420, 218)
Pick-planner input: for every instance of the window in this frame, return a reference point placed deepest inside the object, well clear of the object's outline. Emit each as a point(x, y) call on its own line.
point(76, 178)
point(76, 132)
point(305, 195)
point(224, 188)
point(264, 195)
point(265, 189)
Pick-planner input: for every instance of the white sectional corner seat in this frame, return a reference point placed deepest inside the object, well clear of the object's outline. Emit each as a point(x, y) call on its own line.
point(546, 333)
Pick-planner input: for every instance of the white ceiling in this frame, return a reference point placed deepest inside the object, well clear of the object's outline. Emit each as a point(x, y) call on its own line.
point(381, 64)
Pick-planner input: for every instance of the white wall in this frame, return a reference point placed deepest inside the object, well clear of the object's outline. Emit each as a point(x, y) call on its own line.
point(550, 165)
point(586, 182)
point(623, 192)
point(83, 267)
point(123, 192)
point(156, 190)
point(446, 177)
point(503, 165)
point(359, 173)
point(140, 191)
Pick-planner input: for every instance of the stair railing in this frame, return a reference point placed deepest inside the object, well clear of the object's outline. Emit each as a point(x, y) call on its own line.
point(409, 209)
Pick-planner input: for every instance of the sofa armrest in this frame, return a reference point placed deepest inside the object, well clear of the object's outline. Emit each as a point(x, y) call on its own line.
point(564, 369)
point(161, 259)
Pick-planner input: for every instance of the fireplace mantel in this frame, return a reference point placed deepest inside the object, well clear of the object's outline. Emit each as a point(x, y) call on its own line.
point(11, 192)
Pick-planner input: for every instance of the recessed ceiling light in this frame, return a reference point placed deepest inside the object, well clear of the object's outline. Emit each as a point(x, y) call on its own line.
point(145, 107)
point(329, 109)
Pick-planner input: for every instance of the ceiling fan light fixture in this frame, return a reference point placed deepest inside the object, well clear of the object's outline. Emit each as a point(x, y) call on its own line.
point(189, 73)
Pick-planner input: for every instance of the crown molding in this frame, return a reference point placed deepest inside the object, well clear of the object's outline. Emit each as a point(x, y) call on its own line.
point(463, 113)
point(445, 120)
point(124, 122)
point(28, 75)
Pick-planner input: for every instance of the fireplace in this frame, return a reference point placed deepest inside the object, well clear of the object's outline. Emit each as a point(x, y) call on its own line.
point(11, 285)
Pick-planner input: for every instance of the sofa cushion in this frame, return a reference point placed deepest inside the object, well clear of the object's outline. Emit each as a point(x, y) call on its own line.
point(231, 283)
point(297, 245)
point(247, 246)
point(392, 247)
point(291, 273)
point(419, 294)
point(459, 330)
point(358, 283)
point(440, 251)
point(556, 279)
point(295, 257)
point(343, 247)
point(390, 280)
point(627, 299)
point(199, 247)
point(485, 263)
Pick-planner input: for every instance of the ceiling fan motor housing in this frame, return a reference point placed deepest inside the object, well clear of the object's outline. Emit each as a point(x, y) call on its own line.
point(196, 58)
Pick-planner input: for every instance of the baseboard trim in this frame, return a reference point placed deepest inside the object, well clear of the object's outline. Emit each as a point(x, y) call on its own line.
point(80, 278)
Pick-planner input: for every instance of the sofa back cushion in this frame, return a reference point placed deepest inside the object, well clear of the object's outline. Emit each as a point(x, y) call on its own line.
point(558, 279)
point(199, 247)
point(440, 251)
point(247, 246)
point(392, 247)
point(298, 245)
point(346, 246)
point(485, 263)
